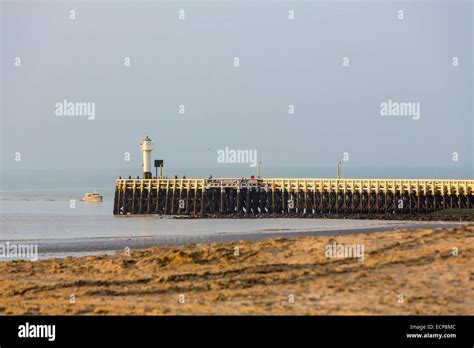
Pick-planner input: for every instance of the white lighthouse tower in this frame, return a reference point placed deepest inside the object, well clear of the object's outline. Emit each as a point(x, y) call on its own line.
point(146, 147)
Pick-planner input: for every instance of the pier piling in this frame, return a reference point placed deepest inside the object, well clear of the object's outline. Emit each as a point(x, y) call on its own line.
point(291, 197)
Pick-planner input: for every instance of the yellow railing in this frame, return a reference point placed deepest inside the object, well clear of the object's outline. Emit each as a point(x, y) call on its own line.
point(417, 186)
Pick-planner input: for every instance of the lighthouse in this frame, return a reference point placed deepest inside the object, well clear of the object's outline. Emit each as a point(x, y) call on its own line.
point(146, 148)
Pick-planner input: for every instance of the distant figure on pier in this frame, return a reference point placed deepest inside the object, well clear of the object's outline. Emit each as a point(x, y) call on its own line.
point(184, 177)
point(210, 176)
point(129, 176)
point(176, 177)
point(120, 177)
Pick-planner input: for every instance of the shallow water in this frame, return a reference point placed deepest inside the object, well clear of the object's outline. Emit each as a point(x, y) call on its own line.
point(61, 227)
point(50, 216)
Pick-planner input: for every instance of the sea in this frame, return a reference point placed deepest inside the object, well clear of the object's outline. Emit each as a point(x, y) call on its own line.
point(49, 213)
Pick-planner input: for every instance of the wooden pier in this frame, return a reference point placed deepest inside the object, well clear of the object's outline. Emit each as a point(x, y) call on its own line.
point(292, 197)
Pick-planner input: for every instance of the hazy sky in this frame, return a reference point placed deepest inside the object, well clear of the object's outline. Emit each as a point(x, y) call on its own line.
point(283, 62)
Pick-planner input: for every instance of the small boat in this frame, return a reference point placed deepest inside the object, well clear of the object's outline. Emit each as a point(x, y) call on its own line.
point(92, 197)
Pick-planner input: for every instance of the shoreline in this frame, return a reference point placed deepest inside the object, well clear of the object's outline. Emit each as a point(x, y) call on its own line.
point(77, 247)
point(440, 215)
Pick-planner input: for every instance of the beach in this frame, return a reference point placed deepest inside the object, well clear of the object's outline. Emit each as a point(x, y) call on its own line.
point(409, 272)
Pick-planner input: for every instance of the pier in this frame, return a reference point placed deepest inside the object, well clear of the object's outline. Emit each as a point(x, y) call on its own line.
point(289, 196)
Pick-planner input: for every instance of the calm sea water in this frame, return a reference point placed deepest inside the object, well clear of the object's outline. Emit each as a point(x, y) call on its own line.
point(50, 215)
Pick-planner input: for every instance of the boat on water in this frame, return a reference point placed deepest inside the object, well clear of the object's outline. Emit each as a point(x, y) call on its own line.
point(92, 197)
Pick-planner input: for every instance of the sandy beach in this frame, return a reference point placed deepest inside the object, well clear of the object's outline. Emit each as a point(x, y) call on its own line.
point(406, 272)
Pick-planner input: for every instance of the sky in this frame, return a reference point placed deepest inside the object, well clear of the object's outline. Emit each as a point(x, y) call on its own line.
point(333, 63)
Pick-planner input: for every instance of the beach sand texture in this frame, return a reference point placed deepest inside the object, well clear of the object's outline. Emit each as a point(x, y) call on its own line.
point(403, 273)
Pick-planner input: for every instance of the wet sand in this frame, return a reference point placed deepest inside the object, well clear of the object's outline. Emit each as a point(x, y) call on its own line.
point(218, 230)
point(271, 276)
